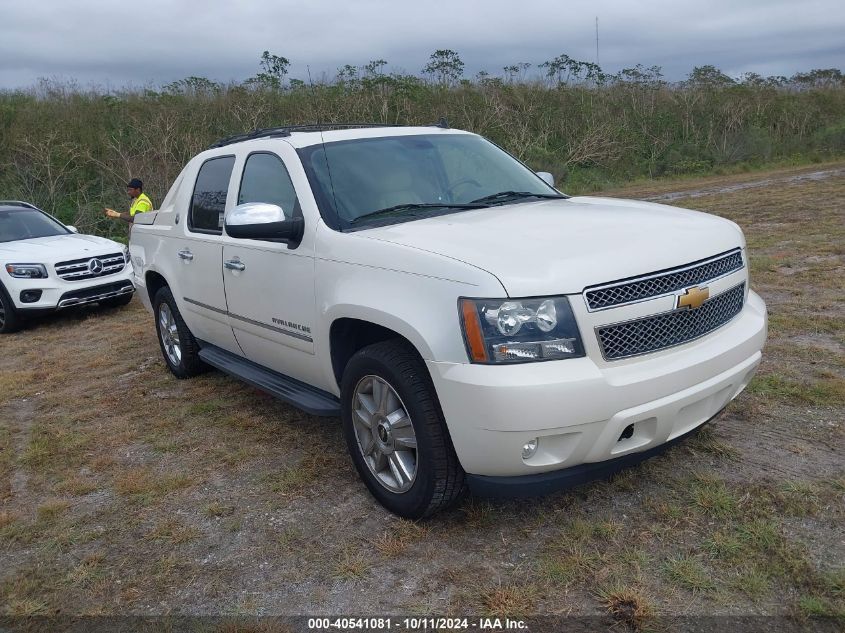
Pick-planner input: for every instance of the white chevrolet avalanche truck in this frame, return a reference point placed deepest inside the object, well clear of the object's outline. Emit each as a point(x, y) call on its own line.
point(46, 266)
point(472, 326)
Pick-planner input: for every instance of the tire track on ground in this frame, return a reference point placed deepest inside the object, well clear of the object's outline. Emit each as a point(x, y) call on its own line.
point(751, 184)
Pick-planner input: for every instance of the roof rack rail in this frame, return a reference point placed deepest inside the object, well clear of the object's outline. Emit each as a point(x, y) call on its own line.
point(18, 203)
point(286, 130)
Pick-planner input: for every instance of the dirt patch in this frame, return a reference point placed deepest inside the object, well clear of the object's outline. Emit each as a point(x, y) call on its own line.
point(781, 180)
point(18, 415)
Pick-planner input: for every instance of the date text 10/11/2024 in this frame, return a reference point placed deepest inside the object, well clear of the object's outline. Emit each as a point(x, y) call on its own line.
point(416, 624)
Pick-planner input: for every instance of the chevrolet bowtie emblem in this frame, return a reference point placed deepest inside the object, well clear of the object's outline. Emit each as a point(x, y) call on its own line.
point(693, 297)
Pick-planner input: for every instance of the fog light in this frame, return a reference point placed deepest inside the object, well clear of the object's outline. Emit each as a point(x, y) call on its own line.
point(529, 449)
point(30, 296)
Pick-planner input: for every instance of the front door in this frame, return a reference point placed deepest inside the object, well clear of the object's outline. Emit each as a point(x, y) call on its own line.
point(270, 286)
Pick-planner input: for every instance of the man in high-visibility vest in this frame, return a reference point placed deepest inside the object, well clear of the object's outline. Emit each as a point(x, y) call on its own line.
point(141, 203)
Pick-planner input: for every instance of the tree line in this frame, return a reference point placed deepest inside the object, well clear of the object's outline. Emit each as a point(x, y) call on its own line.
point(70, 149)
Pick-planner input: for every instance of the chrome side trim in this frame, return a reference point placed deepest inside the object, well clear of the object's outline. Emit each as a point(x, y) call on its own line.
point(297, 335)
point(206, 306)
point(66, 303)
point(301, 337)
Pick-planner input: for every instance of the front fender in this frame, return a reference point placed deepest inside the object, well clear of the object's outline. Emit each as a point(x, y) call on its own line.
point(422, 309)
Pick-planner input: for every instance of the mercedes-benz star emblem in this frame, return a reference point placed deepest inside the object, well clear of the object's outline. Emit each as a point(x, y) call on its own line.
point(95, 266)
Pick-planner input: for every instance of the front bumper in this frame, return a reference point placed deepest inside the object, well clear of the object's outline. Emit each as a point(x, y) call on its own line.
point(579, 410)
point(57, 293)
point(545, 483)
point(96, 293)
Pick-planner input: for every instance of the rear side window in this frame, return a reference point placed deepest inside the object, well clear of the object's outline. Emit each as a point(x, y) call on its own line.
point(209, 200)
point(265, 179)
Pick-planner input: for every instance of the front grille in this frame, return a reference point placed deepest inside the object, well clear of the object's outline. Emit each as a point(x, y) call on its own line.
point(668, 329)
point(663, 283)
point(96, 293)
point(80, 269)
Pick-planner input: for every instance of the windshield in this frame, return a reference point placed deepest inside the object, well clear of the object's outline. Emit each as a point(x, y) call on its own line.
point(24, 224)
point(413, 176)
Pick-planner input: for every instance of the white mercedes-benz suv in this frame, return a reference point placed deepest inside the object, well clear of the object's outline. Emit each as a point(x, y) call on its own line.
point(472, 326)
point(46, 266)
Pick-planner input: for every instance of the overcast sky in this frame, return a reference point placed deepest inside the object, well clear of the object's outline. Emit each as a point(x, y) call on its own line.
point(151, 42)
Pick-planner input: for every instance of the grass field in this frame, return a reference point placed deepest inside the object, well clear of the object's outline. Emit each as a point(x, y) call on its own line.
point(124, 490)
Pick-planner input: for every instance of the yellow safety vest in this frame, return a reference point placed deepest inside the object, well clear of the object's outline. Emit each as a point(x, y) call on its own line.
point(141, 204)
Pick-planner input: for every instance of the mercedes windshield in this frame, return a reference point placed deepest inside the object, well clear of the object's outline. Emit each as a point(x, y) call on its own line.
point(18, 223)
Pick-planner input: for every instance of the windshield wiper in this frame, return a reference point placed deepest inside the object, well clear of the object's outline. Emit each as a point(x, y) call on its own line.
point(411, 206)
point(506, 196)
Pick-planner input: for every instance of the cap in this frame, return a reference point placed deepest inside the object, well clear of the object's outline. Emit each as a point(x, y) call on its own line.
point(135, 184)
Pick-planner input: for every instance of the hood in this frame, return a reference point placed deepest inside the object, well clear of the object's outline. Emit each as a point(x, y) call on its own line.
point(57, 248)
point(562, 246)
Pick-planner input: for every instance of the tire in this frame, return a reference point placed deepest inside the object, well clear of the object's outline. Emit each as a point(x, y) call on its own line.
point(117, 302)
point(410, 403)
point(178, 346)
point(10, 320)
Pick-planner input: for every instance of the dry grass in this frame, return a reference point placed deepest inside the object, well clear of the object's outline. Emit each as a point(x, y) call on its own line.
point(570, 565)
point(713, 496)
point(88, 572)
point(400, 537)
point(146, 486)
point(690, 573)
point(628, 607)
point(76, 485)
point(511, 600)
point(16, 384)
point(707, 441)
point(173, 531)
point(351, 564)
point(125, 490)
point(7, 518)
point(51, 509)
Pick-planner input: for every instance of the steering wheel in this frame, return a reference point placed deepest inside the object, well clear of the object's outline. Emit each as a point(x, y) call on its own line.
point(462, 181)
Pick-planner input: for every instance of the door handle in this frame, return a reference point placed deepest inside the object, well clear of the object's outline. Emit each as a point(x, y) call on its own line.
point(185, 254)
point(234, 264)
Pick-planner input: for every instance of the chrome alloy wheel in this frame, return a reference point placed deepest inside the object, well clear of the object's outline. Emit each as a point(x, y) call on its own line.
point(169, 334)
point(385, 434)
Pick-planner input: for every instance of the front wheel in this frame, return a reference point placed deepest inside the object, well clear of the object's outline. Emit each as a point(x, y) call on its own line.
point(10, 321)
point(178, 345)
point(396, 433)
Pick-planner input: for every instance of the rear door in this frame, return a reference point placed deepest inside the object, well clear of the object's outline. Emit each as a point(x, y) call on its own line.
point(270, 286)
point(200, 255)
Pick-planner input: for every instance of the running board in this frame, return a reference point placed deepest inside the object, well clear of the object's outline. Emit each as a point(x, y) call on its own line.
point(302, 396)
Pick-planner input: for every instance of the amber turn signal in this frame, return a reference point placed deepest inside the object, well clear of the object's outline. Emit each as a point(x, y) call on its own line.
point(472, 331)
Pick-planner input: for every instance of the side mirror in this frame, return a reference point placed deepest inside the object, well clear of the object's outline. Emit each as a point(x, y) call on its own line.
point(547, 178)
point(72, 229)
point(263, 221)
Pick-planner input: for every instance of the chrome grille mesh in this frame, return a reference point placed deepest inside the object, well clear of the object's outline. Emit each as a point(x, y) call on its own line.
point(79, 269)
point(653, 333)
point(664, 283)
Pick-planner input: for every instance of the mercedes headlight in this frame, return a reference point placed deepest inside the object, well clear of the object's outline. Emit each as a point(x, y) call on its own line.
point(519, 330)
point(27, 271)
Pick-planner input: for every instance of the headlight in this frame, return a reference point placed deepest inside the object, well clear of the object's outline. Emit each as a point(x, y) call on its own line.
point(27, 271)
point(519, 330)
